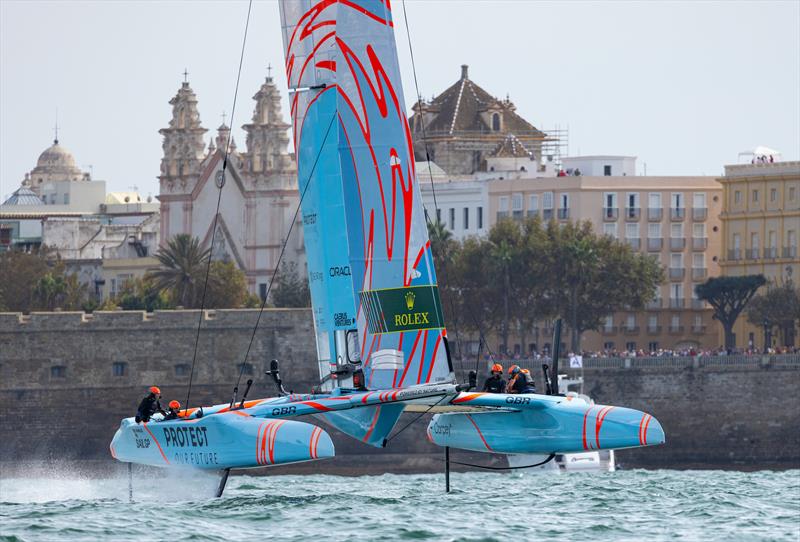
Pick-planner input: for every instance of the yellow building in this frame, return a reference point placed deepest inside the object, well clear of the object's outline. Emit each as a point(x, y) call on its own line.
point(760, 227)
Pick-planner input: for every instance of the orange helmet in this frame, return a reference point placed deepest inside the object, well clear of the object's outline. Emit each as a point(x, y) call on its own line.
point(511, 369)
point(526, 371)
point(174, 405)
point(154, 389)
point(497, 368)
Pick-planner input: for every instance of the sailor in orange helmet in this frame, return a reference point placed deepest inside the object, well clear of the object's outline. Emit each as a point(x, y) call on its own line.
point(174, 411)
point(521, 381)
point(149, 405)
point(495, 382)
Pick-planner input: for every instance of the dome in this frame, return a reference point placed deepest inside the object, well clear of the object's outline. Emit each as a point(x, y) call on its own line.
point(56, 160)
point(23, 196)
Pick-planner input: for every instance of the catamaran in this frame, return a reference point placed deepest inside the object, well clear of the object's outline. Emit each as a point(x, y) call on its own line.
point(382, 346)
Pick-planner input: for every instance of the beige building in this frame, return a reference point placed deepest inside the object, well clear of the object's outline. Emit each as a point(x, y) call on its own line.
point(760, 228)
point(673, 219)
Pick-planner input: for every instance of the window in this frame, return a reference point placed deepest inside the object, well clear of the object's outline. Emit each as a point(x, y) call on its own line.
point(516, 202)
point(610, 199)
point(452, 219)
point(496, 122)
point(698, 231)
point(698, 320)
point(698, 260)
point(182, 369)
point(737, 241)
point(755, 196)
point(262, 291)
point(676, 291)
point(119, 368)
point(533, 203)
point(677, 200)
point(676, 260)
point(654, 230)
point(58, 371)
point(792, 193)
point(676, 321)
point(503, 204)
point(654, 200)
point(652, 346)
point(466, 218)
point(480, 218)
point(66, 199)
point(773, 239)
point(699, 200)
point(633, 200)
point(652, 321)
point(630, 346)
point(754, 241)
point(610, 229)
point(737, 196)
point(773, 194)
point(791, 238)
point(676, 230)
point(565, 201)
point(547, 200)
point(609, 323)
point(632, 231)
point(607, 171)
point(608, 345)
point(631, 321)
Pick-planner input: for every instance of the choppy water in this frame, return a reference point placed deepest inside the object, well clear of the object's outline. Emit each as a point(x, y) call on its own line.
point(627, 505)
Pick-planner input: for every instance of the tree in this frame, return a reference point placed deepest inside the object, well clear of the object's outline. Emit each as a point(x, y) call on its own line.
point(290, 290)
point(182, 274)
point(227, 286)
point(55, 290)
point(141, 294)
point(778, 307)
point(728, 296)
point(21, 272)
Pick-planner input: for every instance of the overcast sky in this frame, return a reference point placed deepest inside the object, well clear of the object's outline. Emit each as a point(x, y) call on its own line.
point(684, 86)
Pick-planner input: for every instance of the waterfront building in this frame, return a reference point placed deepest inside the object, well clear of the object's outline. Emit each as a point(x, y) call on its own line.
point(259, 195)
point(673, 219)
point(760, 228)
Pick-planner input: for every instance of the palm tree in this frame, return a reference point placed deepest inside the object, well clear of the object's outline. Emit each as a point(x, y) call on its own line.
point(183, 270)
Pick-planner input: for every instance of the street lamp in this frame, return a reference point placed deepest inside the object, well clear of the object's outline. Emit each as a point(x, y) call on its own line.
point(767, 336)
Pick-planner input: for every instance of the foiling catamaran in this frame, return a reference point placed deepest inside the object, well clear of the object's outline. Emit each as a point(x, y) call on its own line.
point(381, 341)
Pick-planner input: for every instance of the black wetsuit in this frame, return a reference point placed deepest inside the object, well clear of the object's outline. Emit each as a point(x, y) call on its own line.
point(171, 415)
point(149, 406)
point(495, 384)
point(523, 383)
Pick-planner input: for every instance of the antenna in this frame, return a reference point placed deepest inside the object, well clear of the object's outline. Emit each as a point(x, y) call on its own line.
point(55, 139)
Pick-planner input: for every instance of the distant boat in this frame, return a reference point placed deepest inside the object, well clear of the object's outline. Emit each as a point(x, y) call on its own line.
point(382, 345)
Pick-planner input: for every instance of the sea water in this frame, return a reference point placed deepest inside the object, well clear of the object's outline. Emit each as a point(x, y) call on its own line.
point(626, 505)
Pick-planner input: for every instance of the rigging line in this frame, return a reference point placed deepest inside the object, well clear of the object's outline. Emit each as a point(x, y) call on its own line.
point(430, 175)
point(487, 467)
point(220, 185)
point(409, 424)
point(283, 248)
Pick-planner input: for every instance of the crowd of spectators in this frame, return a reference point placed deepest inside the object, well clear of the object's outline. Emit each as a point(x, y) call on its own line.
point(661, 352)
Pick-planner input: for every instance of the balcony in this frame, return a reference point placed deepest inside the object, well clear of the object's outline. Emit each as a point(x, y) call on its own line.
point(698, 330)
point(654, 214)
point(547, 214)
point(610, 213)
point(532, 213)
point(770, 253)
point(752, 253)
point(632, 213)
point(634, 242)
point(608, 330)
point(699, 214)
point(654, 304)
point(699, 243)
point(699, 273)
point(502, 214)
point(677, 243)
point(698, 304)
point(630, 330)
point(563, 214)
point(654, 330)
point(734, 254)
point(677, 214)
point(675, 330)
point(790, 252)
point(654, 244)
point(677, 273)
point(676, 302)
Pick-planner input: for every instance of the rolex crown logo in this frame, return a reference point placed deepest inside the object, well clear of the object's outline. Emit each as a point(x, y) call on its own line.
point(410, 300)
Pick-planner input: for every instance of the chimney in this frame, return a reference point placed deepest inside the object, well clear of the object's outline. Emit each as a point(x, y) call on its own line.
point(464, 71)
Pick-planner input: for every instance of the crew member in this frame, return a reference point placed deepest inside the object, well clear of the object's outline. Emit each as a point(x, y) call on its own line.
point(495, 382)
point(149, 405)
point(521, 381)
point(174, 410)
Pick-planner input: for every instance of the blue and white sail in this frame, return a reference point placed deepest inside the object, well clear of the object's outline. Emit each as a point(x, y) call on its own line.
point(373, 285)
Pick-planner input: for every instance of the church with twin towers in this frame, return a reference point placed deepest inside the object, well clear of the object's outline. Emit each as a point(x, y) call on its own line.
point(259, 194)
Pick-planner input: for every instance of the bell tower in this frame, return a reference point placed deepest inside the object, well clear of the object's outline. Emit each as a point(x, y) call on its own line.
point(267, 134)
point(183, 140)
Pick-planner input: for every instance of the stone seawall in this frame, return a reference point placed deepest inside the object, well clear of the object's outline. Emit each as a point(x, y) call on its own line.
point(66, 379)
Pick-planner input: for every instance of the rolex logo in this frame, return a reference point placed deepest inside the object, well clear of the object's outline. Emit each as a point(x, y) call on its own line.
point(410, 300)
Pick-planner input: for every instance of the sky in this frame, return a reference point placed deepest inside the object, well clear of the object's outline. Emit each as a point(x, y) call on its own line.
point(684, 86)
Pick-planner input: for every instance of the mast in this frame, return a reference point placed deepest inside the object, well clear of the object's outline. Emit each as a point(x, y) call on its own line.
point(373, 285)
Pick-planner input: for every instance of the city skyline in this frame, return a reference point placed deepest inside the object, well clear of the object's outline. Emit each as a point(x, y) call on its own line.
point(112, 70)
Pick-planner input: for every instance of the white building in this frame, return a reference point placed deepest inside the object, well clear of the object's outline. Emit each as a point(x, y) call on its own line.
point(601, 165)
point(460, 202)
